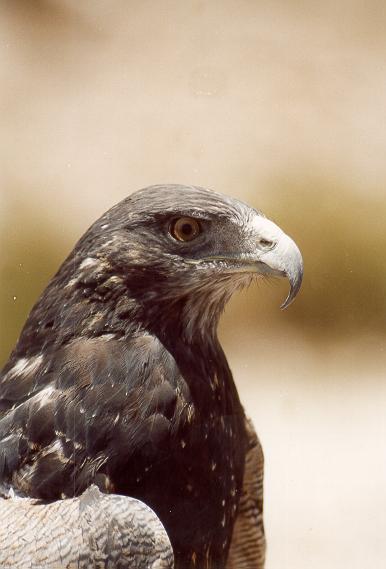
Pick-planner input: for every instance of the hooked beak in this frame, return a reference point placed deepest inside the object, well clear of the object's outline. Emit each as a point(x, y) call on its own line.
point(270, 252)
point(294, 271)
point(284, 259)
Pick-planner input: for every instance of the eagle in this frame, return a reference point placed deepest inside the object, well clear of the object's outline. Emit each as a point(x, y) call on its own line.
point(118, 379)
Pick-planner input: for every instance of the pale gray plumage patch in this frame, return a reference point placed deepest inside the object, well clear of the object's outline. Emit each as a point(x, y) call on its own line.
point(55, 447)
point(44, 396)
point(88, 263)
point(24, 366)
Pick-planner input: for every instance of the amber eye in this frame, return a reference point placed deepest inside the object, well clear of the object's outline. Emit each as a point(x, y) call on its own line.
point(185, 229)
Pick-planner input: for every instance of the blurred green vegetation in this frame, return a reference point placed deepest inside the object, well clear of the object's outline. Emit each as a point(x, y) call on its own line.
point(341, 236)
point(31, 252)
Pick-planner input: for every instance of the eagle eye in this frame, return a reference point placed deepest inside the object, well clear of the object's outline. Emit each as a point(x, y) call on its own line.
point(185, 229)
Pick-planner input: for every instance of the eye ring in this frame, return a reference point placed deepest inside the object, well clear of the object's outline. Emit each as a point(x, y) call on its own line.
point(185, 229)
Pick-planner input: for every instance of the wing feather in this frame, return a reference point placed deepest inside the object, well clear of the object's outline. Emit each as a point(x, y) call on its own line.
point(107, 399)
point(248, 540)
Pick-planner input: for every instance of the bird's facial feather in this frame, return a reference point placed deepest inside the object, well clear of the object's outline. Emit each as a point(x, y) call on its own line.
point(135, 268)
point(131, 271)
point(191, 238)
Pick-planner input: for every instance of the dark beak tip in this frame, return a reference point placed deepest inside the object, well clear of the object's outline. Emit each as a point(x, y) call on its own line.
point(295, 284)
point(287, 302)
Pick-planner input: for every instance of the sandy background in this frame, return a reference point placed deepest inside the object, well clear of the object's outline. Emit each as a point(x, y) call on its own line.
point(281, 104)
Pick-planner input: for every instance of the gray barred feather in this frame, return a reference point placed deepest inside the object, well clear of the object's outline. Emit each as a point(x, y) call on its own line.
point(248, 546)
point(94, 530)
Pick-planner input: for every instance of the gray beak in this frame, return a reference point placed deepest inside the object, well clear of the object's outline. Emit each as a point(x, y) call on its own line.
point(284, 259)
point(294, 272)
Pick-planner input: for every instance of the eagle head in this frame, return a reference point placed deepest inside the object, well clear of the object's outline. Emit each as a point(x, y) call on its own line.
point(187, 249)
point(166, 259)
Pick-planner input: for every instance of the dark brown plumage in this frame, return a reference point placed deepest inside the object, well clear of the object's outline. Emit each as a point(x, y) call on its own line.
point(118, 378)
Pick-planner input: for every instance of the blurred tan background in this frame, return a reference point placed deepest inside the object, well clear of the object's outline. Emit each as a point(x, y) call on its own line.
point(281, 104)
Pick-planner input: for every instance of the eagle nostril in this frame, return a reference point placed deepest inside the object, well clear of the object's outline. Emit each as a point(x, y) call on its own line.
point(266, 243)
